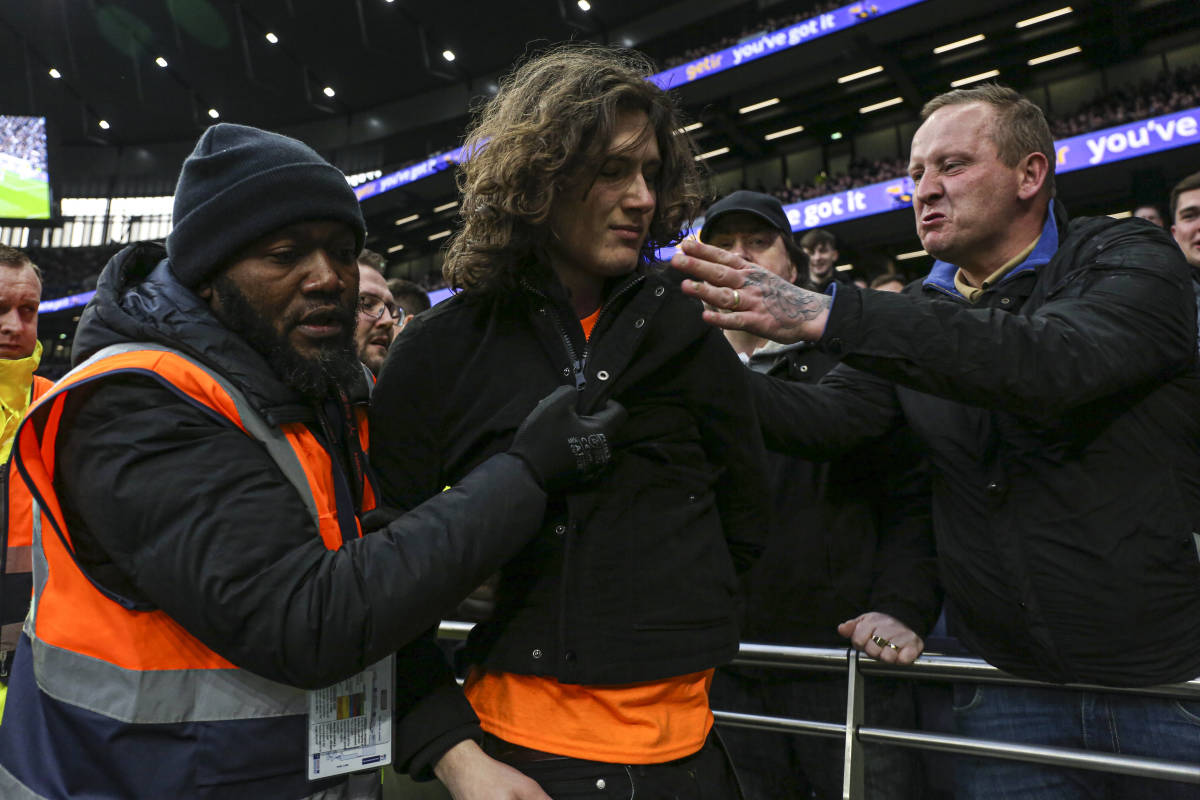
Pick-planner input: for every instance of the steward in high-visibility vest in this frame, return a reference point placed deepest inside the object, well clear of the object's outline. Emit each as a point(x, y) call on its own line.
point(200, 558)
point(111, 666)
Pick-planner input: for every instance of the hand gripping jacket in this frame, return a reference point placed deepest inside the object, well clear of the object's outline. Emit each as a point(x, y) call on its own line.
point(16, 561)
point(110, 699)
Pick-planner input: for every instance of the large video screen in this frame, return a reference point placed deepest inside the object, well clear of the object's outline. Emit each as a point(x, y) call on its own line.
point(24, 171)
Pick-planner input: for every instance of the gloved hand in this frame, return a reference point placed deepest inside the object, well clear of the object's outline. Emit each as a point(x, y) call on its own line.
point(562, 448)
point(378, 518)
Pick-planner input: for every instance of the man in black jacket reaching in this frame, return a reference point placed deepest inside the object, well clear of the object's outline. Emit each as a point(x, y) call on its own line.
point(1050, 369)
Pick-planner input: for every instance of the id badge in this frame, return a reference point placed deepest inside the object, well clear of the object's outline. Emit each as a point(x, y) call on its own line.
point(350, 723)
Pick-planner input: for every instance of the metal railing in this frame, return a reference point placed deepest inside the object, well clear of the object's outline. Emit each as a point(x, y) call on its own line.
point(931, 666)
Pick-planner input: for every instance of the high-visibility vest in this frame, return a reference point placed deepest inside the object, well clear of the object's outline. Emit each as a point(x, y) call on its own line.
point(16, 559)
point(110, 699)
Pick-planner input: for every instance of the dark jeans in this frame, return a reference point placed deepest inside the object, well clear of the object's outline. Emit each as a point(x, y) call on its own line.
point(789, 766)
point(1105, 723)
point(704, 775)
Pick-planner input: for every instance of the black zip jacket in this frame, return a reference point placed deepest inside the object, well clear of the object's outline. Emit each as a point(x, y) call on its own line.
point(632, 578)
point(173, 508)
point(850, 535)
point(1061, 414)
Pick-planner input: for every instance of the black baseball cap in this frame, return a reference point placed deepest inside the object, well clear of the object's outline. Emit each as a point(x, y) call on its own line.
point(763, 206)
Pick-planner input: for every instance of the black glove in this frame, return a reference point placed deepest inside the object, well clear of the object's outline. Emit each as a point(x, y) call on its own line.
point(561, 447)
point(378, 518)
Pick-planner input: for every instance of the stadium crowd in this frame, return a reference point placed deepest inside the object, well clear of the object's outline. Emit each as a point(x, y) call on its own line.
point(25, 138)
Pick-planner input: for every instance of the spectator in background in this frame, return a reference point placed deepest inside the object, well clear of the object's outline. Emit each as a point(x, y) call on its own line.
point(1150, 213)
point(1185, 227)
point(1185, 219)
point(1049, 368)
point(592, 676)
point(410, 298)
point(888, 283)
point(377, 312)
point(851, 540)
point(820, 246)
point(20, 354)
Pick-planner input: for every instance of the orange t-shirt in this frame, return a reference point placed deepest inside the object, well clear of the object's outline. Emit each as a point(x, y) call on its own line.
point(635, 723)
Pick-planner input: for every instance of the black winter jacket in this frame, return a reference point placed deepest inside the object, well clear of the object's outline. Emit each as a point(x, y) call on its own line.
point(850, 535)
point(631, 578)
point(176, 509)
point(1062, 417)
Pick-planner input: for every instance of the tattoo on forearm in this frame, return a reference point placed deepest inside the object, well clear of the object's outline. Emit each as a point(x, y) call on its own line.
point(785, 302)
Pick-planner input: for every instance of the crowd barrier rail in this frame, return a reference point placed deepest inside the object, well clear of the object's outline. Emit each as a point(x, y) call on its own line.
point(929, 667)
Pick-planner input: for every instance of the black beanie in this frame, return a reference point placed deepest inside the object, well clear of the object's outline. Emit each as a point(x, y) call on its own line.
point(241, 183)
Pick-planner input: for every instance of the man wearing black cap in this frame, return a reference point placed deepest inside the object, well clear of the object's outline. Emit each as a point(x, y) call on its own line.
point(850, 553)
point(205, 495)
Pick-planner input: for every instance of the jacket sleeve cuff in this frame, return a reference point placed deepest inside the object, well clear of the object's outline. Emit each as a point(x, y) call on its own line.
point(432, 713)
point(436, 723)
point(918, 620)
point(842, 326)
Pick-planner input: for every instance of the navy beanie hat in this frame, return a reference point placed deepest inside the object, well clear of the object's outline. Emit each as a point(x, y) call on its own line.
point(241, 183)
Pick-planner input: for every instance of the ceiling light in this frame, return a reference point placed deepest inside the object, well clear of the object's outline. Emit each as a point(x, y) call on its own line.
point(439, 235)
point(695, 126)
point(396, 248)
point(844, 267)
point(835, 135)
point(1025, 23)
point(1121, 215)
point(448, 55)
point(104, 125)
point(55, 73)
point(895, 101)
point(1070, 51)
point(784, 132)
point(329, 92)
point(720, 151)
point(979, 37)
point(408, 219)
point(162, 62)
point(446, 207)
point(272, 38)
point(853, 76)
point(982, 76)
point(584, 5)
point(913, 254)
point(212, 112)
point(757, 106)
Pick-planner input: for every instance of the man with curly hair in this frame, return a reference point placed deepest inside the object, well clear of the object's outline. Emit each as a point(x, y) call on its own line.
point(593, 674)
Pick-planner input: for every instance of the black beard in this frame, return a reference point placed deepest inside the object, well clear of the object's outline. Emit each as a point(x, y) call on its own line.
point(334, 369)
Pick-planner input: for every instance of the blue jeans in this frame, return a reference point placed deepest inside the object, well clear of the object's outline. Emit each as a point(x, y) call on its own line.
point(1100, 722)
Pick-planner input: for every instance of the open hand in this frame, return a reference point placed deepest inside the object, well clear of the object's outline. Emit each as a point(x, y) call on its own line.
point(749, 298)
point(471, 774)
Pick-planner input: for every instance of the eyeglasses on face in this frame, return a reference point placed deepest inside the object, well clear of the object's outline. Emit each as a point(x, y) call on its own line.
point(371, 306)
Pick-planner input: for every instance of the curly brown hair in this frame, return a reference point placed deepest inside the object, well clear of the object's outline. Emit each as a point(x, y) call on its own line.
point(552, 119)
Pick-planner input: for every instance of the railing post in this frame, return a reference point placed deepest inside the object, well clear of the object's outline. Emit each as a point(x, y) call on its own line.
point(852, 770)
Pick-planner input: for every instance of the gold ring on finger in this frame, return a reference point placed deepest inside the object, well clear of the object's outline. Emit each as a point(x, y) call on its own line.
point(737, 300)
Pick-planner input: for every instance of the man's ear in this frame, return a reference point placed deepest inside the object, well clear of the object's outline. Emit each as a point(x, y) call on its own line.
point(205, 292)
point(1033, 172)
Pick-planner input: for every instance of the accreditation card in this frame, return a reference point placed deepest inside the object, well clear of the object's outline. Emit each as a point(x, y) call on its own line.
point(350, 723)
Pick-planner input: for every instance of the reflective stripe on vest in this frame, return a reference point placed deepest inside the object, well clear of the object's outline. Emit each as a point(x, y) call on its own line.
point(140, 666)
